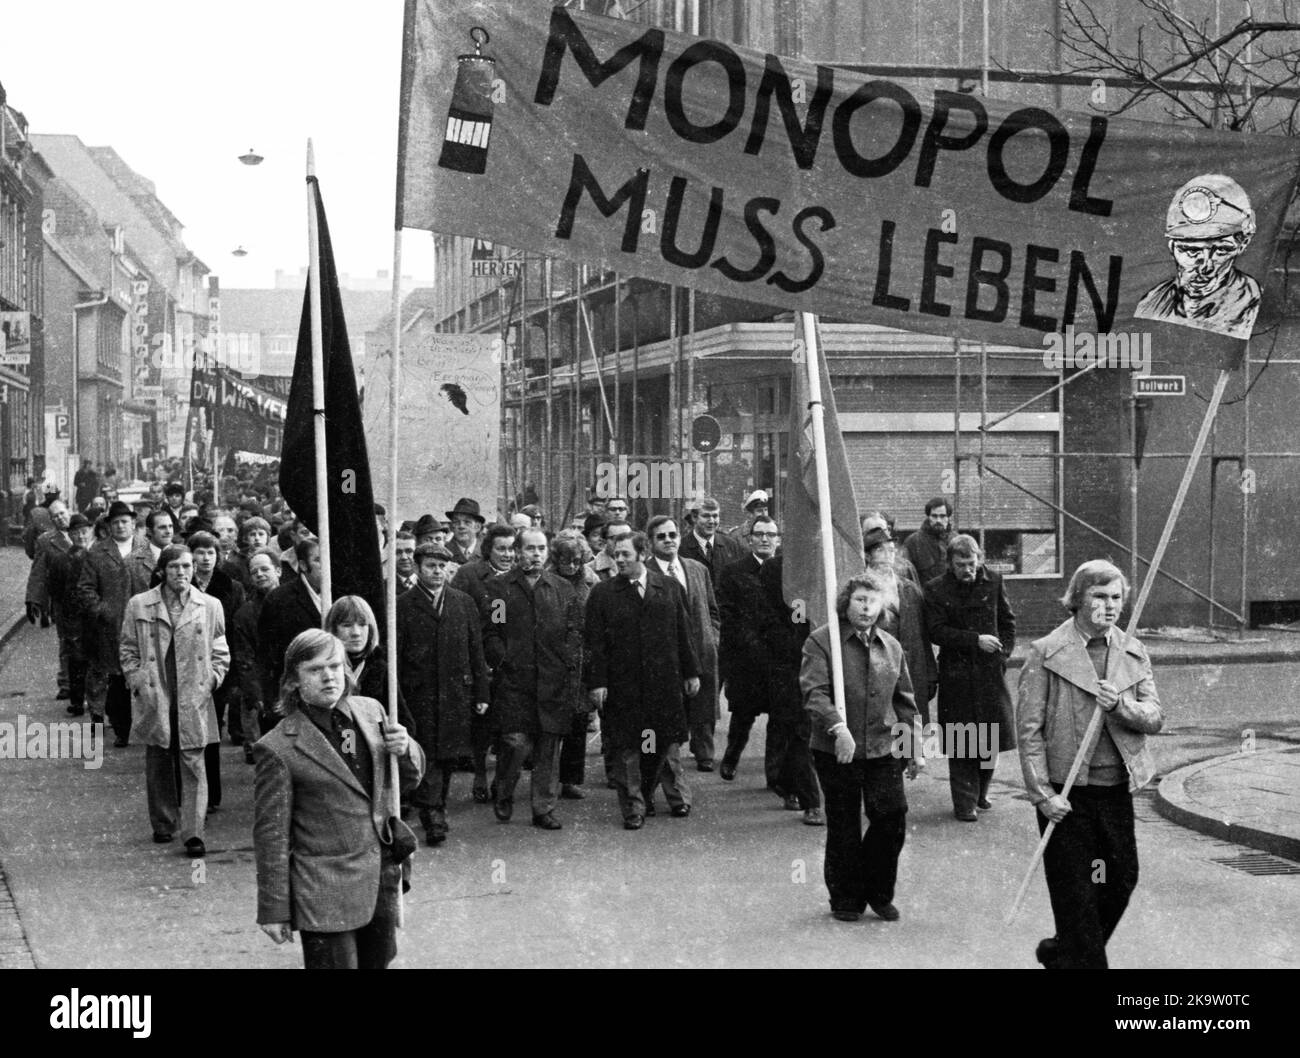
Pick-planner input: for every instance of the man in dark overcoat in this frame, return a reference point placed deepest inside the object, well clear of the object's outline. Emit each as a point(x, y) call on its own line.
point(704, 543)
point(443, 677)
point(532, 640)
point(293, 607)
point(969, 619)
point(743, 659)
point(702, 609)
point(115, 569)
point(64, 574)
point(641, 666)
point(50, 546)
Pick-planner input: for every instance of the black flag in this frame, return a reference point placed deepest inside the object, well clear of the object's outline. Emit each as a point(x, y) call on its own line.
point(355, 567)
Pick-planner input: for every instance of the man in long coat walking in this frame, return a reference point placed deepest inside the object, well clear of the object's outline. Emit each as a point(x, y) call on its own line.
point(642, 666)
point(531, 637)
point(969, 619)
point(115, 569)
point(702, 609)
point(443, 677)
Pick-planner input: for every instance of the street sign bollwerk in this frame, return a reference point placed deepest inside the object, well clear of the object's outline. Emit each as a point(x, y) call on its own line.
point(1159, 385)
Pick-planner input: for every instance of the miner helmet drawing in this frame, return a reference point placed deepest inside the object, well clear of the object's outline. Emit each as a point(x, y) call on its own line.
point(1208, 226)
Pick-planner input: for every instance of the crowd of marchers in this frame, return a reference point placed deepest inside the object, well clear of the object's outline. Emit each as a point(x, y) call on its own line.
point(517, 644)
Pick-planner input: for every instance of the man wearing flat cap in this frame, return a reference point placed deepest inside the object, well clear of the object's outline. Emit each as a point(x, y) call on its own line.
point(443, 677)
point(466, 524)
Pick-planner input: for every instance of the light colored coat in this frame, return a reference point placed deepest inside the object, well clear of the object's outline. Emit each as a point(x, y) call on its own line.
point(202, 660)
point(1057, 696)
point(317, 832)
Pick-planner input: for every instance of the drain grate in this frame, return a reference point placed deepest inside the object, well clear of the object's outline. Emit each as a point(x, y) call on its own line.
point(1258, 863)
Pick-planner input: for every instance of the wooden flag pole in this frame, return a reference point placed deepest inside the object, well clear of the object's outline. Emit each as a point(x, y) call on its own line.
point(390, 603)
point(318, 387)
point(809, 324)
point(1086, 746)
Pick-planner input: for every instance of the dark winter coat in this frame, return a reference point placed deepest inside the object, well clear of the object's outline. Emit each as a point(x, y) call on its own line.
point(288, 610)
point(743, 658)
point(972, 683)
point(578, 690)
point(927, 553)
point(783, 637)
point(473, 578)
point(50, 546)
point(641, 653)
point(106, 585)
point(702, 609)
point(246, 659)
point(373, 683)
point(907, 625)
point(230, 593)
point(726, 550)
point(441, 669)
point(532, 638)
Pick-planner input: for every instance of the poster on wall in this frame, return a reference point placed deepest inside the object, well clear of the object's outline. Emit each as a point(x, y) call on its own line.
point(449, 425)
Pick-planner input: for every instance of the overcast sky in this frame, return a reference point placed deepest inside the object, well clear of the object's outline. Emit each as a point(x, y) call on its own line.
point(180, 89)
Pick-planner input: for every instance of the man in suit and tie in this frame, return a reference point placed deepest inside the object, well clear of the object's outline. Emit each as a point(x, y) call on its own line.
point(702, 609)
point(289, 609)
point(115, 569)
point(467, 523)
point(642, 666)
point(705, 544)
point(406, 577)
point(328, 858)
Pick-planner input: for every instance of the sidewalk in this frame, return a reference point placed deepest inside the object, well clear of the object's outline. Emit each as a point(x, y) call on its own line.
point(1252, 799)
point(14, 567)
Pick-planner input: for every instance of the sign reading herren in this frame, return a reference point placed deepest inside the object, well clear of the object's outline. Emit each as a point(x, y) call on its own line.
point(771, 179)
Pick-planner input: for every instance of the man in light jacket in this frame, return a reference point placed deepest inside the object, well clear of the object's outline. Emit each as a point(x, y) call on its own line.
point(174, 655)
point(1083, 664)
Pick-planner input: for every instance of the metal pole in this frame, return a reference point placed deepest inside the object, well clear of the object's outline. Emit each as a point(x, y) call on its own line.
point(318, 388)
point(636, 375)
point(984, 398)
point(1133, 493)
point(1247, 489)
point(689, 402)
point(575, 407)
point(616, 442)
point(548, 466)
point(956, 431)
point(521, 448)
point(1214, 475)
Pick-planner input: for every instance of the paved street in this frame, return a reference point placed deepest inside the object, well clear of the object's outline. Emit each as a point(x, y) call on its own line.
point(738, 884)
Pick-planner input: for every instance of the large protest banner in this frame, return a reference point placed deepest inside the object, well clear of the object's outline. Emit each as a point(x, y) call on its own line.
point(244, 417)
point(699, 162)
point(450, 421)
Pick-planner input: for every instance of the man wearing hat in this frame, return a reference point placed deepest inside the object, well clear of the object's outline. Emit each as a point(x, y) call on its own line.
point(1208, 225)
point(114, 570)
point(443, 677)
point(756, 505)
point(466, 523)
point(429, 530)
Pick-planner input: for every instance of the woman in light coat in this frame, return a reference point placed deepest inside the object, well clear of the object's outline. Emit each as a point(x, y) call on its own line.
point(174, 655)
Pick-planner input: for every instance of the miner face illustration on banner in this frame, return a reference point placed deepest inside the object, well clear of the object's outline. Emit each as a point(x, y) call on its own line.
point(1209, 224)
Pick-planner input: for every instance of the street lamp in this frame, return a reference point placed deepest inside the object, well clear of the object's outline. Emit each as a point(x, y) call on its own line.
point(238, 251)
point(251, 158)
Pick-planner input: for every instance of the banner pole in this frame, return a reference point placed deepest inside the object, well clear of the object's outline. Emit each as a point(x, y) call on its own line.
point(809, 324)
point(318, 386)
point(1086, 746)
point(390, 603)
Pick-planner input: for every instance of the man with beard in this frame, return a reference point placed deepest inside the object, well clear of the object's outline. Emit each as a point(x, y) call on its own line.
point(114, 570)
point(642, 664)
point(41, 604)
point(255, 696)
point(1084, 664)
point(532, 641)
point(969, 619)
point(926, 548)
point(702, 608)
